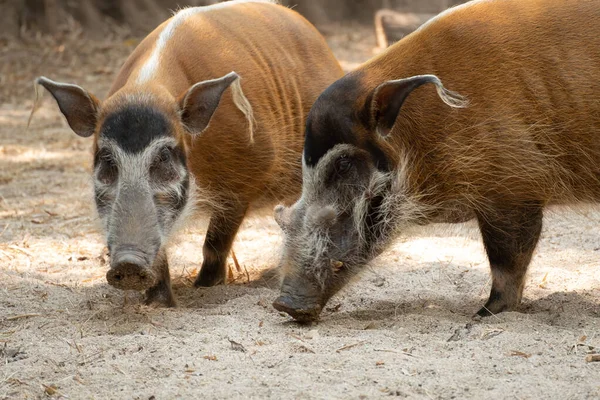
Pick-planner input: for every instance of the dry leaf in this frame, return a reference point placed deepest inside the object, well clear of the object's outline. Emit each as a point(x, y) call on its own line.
point(491, 333)
point(237, 346)
point(350, 346)
point(543, 283)
point(50, 390)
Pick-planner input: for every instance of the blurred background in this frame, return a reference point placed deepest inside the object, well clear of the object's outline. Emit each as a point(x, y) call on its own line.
point(86, 41)
point(100, 17)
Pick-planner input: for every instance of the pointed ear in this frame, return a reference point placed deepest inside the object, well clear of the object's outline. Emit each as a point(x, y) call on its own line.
point(200, 102)
point(387, 99)
point(282, 216)
point(79, 107)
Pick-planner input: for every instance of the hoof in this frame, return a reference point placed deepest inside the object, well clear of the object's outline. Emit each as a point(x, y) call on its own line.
point(209, 279)
point(482, 313)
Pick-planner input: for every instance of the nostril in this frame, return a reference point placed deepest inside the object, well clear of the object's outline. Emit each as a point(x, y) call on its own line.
point(128, 274)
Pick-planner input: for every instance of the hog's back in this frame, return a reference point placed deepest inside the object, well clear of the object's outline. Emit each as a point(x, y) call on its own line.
point(531, 72)
point(284, 64)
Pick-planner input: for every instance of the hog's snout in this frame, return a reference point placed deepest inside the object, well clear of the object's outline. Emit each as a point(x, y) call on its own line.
point(130, 271)
point(300, 299)
point(297, 309)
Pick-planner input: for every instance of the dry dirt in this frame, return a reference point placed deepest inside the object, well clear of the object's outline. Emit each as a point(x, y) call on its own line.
point(403, 329)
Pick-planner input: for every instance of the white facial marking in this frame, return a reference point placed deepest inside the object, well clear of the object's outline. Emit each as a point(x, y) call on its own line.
point(135, 166)
point(151, 65)
point(133, 174)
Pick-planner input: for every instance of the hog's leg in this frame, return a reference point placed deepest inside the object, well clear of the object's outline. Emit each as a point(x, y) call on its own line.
point(222, 229)
point(509, 237)
point(161, 293)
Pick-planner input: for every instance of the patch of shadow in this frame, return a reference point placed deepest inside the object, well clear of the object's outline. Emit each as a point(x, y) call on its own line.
point(556, 309)
point(106, 299)
point(443, 307)
point(564, 308)
point(268, 278)
point(211, 297)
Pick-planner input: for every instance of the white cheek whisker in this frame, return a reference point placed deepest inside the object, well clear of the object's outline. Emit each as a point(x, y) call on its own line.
point(308, 248)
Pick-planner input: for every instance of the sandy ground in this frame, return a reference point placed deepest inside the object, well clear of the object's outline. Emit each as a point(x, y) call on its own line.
point(403, 329)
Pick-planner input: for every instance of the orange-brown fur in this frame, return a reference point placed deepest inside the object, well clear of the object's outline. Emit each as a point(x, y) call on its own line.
point(220, 93)
point(531, 131)
point(529, 137)
point(275, 51)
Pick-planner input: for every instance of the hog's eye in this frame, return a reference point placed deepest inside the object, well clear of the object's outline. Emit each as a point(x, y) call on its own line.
point(162, 168)
point(107, 170)
point(343, 165)
point(164, 155)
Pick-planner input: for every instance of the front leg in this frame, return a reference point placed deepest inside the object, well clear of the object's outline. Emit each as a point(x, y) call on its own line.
point(510, 237)
point(161, 294)
point(222, 229)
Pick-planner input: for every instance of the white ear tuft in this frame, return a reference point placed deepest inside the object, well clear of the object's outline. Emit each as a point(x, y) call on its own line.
point(282, 216)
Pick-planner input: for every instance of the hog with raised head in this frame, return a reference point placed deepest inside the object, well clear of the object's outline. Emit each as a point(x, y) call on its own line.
point(177, 131)
point(388, 146)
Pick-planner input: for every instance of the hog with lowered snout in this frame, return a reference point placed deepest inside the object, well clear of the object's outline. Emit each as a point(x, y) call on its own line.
point(179, 131)
point(489, 111)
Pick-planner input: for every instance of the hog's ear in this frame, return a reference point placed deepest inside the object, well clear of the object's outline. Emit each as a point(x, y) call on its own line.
point(200, 102)
point(321, 217)
point(282, 216)
point(387, 99)
point(79, 107)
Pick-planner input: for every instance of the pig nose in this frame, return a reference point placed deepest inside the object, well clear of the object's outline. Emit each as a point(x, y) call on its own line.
point(297, 309)
point(130, 272)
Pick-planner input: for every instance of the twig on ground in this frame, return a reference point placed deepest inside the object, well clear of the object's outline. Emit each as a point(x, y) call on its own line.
point(397, 352)
point(238, 267)
point(22, 316)
point(351, 346)
point(592, 358)
point(22, 250)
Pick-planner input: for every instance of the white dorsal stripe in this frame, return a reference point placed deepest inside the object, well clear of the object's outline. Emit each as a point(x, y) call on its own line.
point(450, 10)
point(151, 65)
